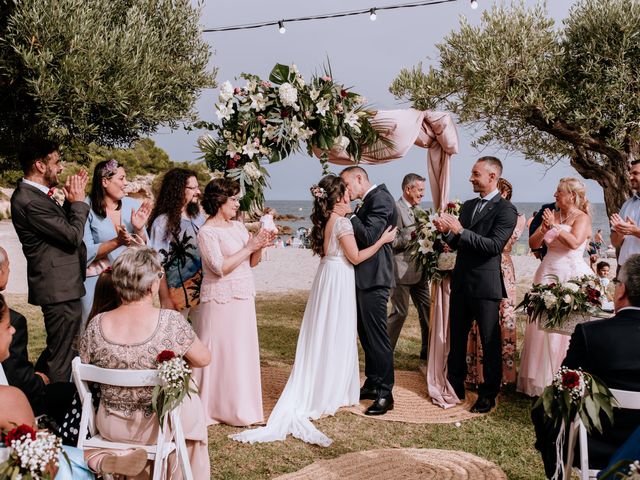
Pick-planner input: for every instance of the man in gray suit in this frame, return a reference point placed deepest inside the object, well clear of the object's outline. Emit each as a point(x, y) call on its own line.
point(52, 242)
point(410, 280)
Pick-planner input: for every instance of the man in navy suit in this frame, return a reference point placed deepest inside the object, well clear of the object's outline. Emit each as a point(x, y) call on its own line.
point(477, 287)
point(52, 242)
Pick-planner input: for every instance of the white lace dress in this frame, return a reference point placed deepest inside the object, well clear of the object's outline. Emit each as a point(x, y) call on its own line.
point(325, 371)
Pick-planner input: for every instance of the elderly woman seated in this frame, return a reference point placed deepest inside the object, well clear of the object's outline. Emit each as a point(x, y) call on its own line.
point(130, 337)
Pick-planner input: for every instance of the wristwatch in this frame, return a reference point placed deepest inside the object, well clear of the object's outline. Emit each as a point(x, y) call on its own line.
point(350, 215)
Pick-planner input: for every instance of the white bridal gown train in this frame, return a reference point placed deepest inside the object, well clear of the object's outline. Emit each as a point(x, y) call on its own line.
point(325, 371)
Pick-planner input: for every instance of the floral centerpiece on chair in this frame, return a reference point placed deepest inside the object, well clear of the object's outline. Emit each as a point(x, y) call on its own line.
point(555, 303)
point(265, 121)
point(575, 393)
point(33, 455)
point(428, 248)
point(176, 377)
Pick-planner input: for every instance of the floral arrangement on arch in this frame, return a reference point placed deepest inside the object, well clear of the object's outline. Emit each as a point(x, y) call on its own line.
point(33, 455)
point(427, 246)
point(552, 304)
point(263, 122)
point(176, 377)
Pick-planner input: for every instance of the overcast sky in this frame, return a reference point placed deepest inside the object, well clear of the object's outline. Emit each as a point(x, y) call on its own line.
point(366, 56)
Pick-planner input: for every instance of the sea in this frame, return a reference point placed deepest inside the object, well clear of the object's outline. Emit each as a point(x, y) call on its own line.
point(302, 210)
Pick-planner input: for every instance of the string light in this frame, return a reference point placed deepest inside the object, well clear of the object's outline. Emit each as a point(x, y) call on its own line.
point(369, 11)
point(474, 4)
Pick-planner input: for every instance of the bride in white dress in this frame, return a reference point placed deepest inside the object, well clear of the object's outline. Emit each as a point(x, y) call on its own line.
point(325, 374)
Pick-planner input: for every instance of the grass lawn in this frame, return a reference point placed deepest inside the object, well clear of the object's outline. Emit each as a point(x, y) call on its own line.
point(505, 436)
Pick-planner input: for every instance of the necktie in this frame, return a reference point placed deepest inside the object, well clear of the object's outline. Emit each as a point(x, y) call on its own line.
point(479, 206)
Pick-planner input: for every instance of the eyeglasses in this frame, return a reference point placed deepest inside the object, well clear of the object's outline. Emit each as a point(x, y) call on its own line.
point(192, 188)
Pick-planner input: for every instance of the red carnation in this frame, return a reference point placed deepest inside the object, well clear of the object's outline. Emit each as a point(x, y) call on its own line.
point(285, 113)
point(237, 90)
point(19, 432)
point(451, 205)
point(231, 163)
point(165, 356)
point(570, 380)
point(413, 235)
point(343, 93)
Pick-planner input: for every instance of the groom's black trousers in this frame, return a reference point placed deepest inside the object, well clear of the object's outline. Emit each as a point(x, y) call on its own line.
point(486, 313)
point(372, 331)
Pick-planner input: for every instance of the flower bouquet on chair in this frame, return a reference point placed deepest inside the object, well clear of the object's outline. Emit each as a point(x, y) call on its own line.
point(573, 394)
point(176, 377)
point(32, 455)
point(559, 307)
point(427, 246)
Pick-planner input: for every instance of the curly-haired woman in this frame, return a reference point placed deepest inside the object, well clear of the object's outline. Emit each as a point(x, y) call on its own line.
point(173, 228)
point(230, 387)
point(325, 371)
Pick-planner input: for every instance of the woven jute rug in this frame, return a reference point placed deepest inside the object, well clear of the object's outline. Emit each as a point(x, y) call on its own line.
point(412, 403)
point(405, 463)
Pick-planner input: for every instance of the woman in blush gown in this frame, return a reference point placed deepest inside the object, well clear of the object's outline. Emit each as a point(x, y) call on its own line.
point(325, 374)
point(565, 232)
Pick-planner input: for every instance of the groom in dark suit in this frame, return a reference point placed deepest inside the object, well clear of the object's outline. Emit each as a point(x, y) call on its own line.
point(477, 287)
point(374, 280)
point(51, 238)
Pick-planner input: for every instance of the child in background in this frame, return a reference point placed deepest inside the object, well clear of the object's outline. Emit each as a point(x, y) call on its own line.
point(266, 221)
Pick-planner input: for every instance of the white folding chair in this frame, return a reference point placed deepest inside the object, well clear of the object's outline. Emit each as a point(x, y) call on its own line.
point(3, 377)
point(626, 399)
point(170, 437)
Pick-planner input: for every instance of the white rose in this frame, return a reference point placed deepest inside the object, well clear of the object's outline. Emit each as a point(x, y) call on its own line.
point(226, 92)
point(549, 299)
point(288, 95)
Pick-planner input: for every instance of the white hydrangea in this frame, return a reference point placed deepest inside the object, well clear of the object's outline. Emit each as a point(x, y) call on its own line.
point(252, 171)
point(226, 92)
point(571, 286)
point(549, 299)
point(288, 95)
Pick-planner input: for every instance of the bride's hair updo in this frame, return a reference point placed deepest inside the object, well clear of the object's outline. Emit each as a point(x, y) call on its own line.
point(577, 188)
point(326, 194)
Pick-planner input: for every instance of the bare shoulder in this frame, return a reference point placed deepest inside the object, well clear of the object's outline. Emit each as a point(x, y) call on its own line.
point(15, 408)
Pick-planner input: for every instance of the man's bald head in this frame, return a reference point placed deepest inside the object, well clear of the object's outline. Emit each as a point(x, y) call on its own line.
point(4, 269)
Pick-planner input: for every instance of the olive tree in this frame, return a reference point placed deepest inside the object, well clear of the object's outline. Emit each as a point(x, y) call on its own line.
point(103, 71)
point(550, 92)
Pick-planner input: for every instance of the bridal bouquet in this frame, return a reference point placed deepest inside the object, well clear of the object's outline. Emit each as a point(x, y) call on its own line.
point(427, 245)
point(557, 301)
point(176, 377)
point(32, 455)
point(265, 121)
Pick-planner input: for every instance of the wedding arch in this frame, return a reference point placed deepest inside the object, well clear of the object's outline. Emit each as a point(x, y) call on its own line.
point(265, 121)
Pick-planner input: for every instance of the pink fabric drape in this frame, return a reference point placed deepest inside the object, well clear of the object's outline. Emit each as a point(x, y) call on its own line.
point(437, 132)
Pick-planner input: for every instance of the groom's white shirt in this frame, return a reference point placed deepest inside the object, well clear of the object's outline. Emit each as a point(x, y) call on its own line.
point(367, 192)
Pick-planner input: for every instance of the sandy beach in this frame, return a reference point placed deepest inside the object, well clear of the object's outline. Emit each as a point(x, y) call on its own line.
point(286, 269)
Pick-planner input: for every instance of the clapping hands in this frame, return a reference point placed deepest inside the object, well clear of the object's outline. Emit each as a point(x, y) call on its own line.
point(75, 186)
point(140, 217)
point(447, 223)
point(623, 227)
point(261, 240)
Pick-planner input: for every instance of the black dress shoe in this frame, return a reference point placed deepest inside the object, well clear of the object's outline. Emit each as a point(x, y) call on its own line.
point(381, 406)
point(459, 393)
point(483, 405)
point(367, 393)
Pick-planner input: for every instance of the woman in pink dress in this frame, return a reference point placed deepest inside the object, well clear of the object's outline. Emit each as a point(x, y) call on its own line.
point(507, 311)
point(230, 386)
point(565, 231)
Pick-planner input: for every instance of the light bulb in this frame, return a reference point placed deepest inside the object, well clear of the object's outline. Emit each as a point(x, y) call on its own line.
point(474, 4)
point(281, 28)
point(372, 15)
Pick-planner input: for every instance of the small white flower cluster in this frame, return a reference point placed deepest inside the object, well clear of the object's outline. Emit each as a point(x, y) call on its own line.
point(549, 299)
point(252, 171)
point(36, 455)
point(173, 372)
point(288, 96)
point(576, 392)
